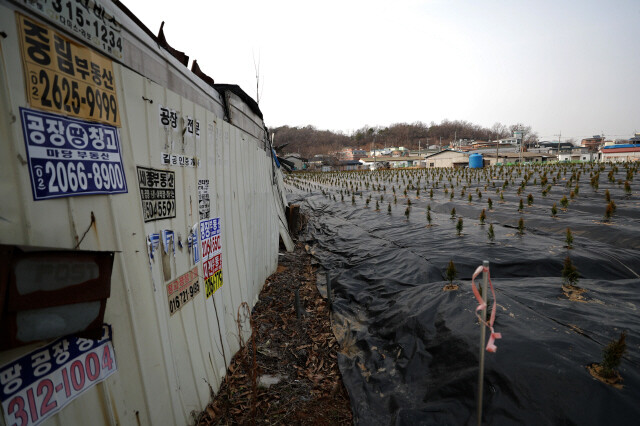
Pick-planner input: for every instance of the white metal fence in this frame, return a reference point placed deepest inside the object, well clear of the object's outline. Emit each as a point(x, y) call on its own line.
point(166, 362)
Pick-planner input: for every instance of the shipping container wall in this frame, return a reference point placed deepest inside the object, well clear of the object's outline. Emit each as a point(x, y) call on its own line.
point(168, 357)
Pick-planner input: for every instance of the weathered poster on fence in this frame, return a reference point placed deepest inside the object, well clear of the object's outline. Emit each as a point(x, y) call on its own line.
point(65, 77)
point(88, 20)
point(182, 290)
point(41, 383)
point(157, 193)
point(211, 255)
point(204, 203)
point(180, 160)
point(68, 156)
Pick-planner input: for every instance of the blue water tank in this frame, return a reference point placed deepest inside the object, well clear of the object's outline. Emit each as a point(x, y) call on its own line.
point(476, 161)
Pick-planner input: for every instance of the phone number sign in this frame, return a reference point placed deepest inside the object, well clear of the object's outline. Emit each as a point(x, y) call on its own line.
point(65, 77)
point(88, 20)
point(157, 193)
point(70, 157)
point(211, 255)
point(182, 290)
point(41, 383)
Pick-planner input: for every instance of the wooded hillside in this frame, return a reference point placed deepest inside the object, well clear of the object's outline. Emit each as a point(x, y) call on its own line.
point(309, 141)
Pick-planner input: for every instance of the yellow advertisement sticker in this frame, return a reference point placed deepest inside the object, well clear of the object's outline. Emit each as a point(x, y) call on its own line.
point(65, 77)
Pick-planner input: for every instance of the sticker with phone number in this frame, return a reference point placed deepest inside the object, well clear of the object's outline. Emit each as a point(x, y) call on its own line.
point(182, 290)
point(88, 20)
point(157, 193)
point(65, 77)
point(41, 383)
point(211, 255)
point(69, 157)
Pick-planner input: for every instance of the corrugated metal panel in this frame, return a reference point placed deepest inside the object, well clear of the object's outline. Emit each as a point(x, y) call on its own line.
point(157, 354)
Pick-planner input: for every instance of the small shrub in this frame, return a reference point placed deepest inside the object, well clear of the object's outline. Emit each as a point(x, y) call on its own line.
point(429, 217)
point(451, 273)
point(554, 210)
point(483, 216)
point(490, 234)
point(520, 205)
point(389, 208)
point(521, 226)
point(564, 202)
point(377, 206)
point(627, 187)
point(459, 226)
point(490, 203)
point(407, 211)
point(607, 195)
point(453, 213)
point(569, 239)
point(530, 200)
point(570, 274)
point(612, 355)
point(608, 212)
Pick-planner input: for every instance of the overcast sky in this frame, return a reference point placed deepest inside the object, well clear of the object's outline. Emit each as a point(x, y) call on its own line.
point(559, 66)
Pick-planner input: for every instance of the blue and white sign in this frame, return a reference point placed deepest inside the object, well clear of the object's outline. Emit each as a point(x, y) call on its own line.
point(41, 383)
point(68, 156)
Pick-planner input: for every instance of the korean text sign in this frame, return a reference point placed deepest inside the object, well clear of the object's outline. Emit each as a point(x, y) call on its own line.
point(70, 157)
point(65, 77)
point(157, 193)
point(182, 290)
point(88, 20)
point(211, 255)
point(41, 383)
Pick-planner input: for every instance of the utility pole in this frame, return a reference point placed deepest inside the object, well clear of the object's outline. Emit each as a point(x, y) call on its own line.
point(559, 138)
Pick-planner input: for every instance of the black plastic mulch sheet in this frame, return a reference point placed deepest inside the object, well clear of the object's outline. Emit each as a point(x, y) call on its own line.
point(411, 350)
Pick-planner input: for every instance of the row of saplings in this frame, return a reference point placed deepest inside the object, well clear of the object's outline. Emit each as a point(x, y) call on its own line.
point(609, 211)
point(607, 370)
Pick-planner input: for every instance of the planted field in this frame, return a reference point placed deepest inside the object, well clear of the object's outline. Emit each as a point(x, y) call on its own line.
point(410, 346)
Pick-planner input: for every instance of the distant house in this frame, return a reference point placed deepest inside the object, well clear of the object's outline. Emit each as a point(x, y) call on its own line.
point(299, 162)
point(350, 154)
point(350, 165)
point(617, 153)
point(516, 157)
point(508, 141)
point(392, 162)
point(447, 158)
point(575, 153)
point(593, 143)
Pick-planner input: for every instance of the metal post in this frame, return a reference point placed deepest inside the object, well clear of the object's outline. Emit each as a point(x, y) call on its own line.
point(483, 330)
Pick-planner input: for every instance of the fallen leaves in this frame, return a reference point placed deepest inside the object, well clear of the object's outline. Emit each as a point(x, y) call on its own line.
point(303, 352)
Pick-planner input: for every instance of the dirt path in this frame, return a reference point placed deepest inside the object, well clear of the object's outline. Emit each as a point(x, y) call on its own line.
point(297, 357)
